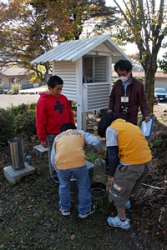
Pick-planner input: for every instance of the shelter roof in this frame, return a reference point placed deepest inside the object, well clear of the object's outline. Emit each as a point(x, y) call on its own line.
point(73, 50)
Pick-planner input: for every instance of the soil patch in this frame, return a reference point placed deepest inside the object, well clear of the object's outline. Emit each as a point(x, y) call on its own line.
point(30, 219)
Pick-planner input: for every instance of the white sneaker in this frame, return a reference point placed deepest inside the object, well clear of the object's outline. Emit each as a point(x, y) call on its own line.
point(116, 222)
point(64, 212)
point(92, 210)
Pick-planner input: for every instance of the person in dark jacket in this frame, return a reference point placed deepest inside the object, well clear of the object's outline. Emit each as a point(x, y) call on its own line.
point(128, 94)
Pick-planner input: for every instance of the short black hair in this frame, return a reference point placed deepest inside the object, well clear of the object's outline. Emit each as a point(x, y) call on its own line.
point(54, 80)
point(123, 65)
point(67, 126)
point(105, 122)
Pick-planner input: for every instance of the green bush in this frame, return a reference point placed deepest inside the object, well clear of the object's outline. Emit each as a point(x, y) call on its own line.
point(1, 91)
point(15, 88)
point(22, 108)
point(24, 119)
point(7, 126)
point(17, 121)
point(25, 123)
point(91, 156)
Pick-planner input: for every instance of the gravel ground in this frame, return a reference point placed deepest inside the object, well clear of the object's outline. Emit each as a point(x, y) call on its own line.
point(7, 100)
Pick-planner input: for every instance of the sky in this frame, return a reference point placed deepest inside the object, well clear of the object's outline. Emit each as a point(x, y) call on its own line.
point(132, 48)
point(109, 2)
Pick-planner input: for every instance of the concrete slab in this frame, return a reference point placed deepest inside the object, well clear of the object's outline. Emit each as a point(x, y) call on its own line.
point(39, 148)
point(14, 176)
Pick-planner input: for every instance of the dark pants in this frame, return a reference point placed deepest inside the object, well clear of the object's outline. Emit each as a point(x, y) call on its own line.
point(50, 140)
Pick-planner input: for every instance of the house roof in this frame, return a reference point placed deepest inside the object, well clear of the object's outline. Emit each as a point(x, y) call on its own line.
point(72, 51)
point(14, 71)
point(158, 74)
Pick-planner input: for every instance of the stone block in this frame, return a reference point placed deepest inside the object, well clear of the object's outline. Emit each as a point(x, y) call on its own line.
point(40, 150)
point(14, 176)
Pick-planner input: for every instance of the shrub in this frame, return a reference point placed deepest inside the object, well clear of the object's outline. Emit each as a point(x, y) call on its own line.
point(17, 121)
point(15, 88)
point(1, 91)
point(24, 119)
point(91, 156)
point(25, 123)
point(7, 126)
point(22, 108)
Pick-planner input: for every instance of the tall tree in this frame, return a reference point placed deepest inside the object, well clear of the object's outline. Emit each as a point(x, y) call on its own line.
point(30, 28)
point(102, 17)
point(144, 22)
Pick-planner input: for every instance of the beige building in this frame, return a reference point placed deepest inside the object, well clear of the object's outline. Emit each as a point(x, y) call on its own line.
point(12, 75)
point(160, 78)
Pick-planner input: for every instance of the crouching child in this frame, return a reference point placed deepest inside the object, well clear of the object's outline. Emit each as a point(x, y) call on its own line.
point(69, 160)
point(129, 162)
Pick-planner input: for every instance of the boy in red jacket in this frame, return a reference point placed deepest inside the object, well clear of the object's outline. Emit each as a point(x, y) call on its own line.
point(52, 111)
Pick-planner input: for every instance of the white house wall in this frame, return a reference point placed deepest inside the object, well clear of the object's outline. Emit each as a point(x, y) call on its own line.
point(67, 71)
point(102, 48)
point(96, 96)
point(96, 92)
point(95, 67)
point(100, 69)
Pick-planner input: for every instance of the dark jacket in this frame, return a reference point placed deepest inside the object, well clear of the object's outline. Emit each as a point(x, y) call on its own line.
point(137, 99)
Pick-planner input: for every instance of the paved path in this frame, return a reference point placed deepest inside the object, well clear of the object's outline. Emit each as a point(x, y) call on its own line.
point(7, 100)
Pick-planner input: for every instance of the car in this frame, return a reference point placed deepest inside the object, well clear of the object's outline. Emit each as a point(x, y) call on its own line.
point(160, 94)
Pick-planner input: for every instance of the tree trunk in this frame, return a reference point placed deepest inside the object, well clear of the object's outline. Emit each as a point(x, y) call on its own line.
point(150, 69)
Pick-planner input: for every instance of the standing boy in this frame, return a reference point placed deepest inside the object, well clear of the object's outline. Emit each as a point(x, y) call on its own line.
point(52, 111)
point(69, 159)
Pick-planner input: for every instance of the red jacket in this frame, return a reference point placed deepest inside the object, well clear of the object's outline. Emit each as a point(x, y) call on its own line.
point(137, 99)
point(51, 113)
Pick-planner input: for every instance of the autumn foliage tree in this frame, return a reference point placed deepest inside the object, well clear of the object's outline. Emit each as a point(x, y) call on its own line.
point(144, 23)
point(30, 28)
